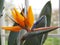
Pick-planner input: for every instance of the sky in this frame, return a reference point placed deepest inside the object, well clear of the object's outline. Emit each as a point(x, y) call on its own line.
point(37, 5)
point(34, 3)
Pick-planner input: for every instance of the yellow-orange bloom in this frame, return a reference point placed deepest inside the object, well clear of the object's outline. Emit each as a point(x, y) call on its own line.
point(24, 22)
point(14, 28)
point(18, 17)
point(30, 17)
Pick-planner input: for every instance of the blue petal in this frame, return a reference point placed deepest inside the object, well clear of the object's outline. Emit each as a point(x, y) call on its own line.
point(40, 22)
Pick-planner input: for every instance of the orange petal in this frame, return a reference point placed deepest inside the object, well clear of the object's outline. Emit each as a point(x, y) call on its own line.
point(30, 17)
point(14, 28)
point(14, 15)
point(20, 18)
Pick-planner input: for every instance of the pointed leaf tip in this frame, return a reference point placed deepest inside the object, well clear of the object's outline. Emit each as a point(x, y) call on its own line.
point(46, 28)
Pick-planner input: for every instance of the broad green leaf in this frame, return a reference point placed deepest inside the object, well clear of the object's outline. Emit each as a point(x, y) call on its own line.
point(38, 39)
point(1, 6)
point(47, 10)
point(34, 34)
point(33, 40)
point(13, 37)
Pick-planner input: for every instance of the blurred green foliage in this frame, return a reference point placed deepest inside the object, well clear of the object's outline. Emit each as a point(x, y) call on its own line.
point(49, 41)
point(52, 41)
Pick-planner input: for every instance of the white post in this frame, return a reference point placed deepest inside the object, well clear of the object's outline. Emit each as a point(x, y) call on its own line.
point(2, 22)
point(58, 30)
point(26, 6)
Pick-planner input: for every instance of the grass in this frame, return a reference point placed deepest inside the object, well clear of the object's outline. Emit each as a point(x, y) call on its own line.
point(50, 41)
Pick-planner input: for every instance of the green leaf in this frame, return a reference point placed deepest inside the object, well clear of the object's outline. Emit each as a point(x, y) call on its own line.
point(38, 39)
point(47, 10)
point(34, 40)
point(36, 33)
point(13, 37)
point(1, 6)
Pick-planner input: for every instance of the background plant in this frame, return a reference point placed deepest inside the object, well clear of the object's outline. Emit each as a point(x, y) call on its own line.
point(38, 39)
point(40, 24)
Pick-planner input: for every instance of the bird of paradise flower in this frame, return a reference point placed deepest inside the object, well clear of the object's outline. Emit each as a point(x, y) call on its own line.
point(25, 22)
